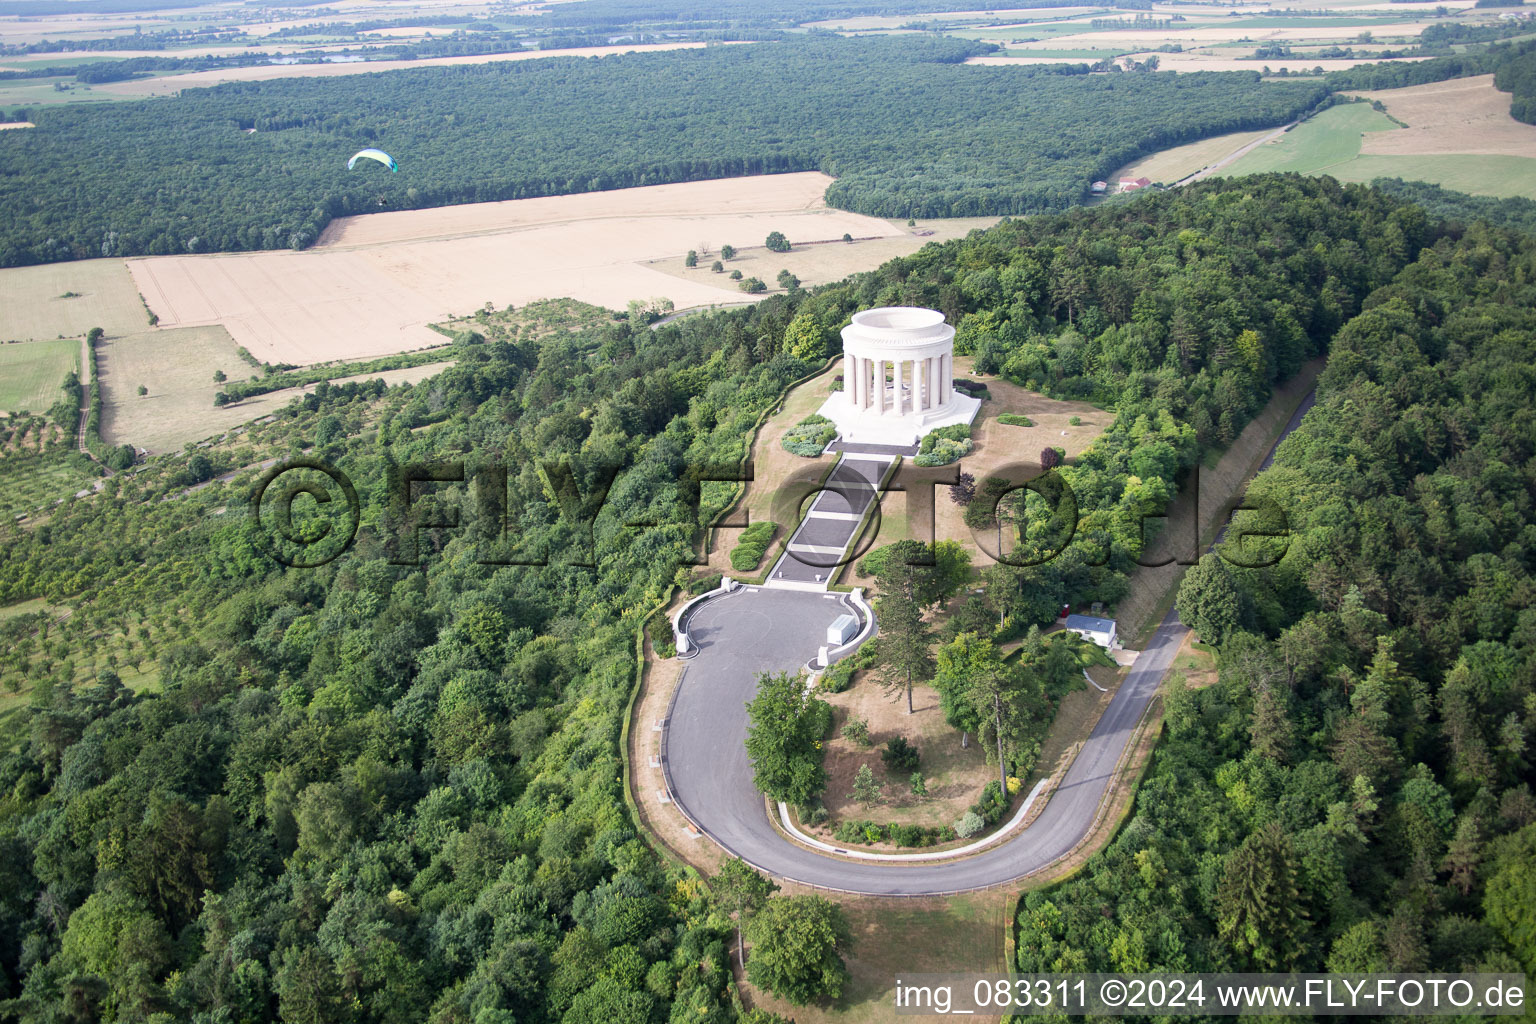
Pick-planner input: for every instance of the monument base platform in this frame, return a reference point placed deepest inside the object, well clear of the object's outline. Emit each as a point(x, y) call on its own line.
point(863, 427)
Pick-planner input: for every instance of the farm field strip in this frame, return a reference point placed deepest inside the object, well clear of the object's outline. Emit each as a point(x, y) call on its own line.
point(33, 303)
point(31, 372)
point(376, 282)
point(1463, 115)
point(1459, 135)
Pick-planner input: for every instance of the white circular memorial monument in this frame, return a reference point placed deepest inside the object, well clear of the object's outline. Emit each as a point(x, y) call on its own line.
point(898, 363)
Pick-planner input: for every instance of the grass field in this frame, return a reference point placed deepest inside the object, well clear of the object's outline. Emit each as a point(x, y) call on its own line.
point(177, 366)
point(1316, 146)
point(899, 938)
point(31, 372)
point(33, 306)
point(1477, 174)
point(826, 262)
point(1353, 142)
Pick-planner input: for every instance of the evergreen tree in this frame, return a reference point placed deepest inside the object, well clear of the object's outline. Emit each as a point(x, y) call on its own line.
point(1258, 902)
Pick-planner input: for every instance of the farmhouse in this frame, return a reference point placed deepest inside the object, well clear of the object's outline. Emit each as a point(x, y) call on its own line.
point(1089, 627)
point(1132, 184)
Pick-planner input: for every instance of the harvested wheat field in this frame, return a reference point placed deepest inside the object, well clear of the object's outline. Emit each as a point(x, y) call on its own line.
point(1301, 64)
point(1463, 115)
point(67, 299)
point(822, 262)
point(375, 283)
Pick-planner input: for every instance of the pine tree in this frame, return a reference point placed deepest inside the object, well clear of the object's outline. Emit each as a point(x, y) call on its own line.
point(1258, 903)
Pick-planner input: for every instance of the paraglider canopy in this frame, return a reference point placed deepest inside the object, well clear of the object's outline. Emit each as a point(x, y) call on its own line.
point(374, 154)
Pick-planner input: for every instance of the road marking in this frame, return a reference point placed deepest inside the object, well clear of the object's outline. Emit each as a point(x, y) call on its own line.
point(847, 517)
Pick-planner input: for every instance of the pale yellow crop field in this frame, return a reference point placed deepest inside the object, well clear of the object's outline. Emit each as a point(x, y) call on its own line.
point(1464, 115)
point(374, 283)
point(1171, 165)
point(33, 305)
point(827, 261)
point(1190, 62)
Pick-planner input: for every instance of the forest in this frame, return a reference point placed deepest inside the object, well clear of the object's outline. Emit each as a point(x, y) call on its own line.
point(375, 791)
point(1354, 793)
point(925, 137)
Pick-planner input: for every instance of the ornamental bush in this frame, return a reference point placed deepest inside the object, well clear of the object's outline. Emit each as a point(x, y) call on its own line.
point(808, 437)
point(748, 552)
point(969, 825)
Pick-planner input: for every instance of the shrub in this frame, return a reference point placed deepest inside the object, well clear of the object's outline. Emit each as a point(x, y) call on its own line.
point(736, 275)
point(1050, 458)
point(941, 452)
point(964, 491)
point(659, 629)
point(969, 825)
point(991, 806)
point(899, 755)
point(810, 436)
point(1075, 421)
point(1014, 785)
point(705, 583)
point(748, 552)
point(752, 285)
point(944, 445)
point(859, 832)
point(837, 383)
point(910, 835)
point(1013, 419)
point(837, 678)
point(857, 731)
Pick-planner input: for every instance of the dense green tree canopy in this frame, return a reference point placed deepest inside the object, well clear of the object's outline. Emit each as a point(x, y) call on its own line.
point(925, 136)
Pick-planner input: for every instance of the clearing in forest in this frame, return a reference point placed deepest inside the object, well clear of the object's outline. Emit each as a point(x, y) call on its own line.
point(1171, 165)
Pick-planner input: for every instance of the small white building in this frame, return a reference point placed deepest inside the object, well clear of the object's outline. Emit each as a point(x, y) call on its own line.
point(843, 629)
point(1089, 627)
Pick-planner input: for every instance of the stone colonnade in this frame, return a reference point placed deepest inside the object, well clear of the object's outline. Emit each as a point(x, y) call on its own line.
point(897, 387)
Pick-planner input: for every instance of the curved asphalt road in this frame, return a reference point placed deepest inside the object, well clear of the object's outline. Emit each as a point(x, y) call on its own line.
point(756, 630)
